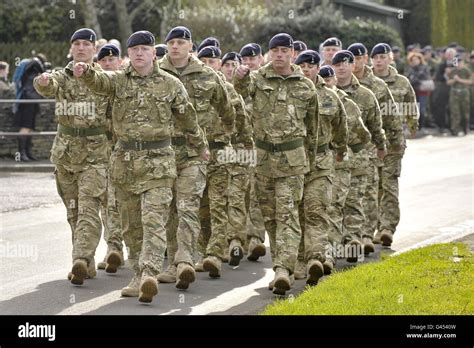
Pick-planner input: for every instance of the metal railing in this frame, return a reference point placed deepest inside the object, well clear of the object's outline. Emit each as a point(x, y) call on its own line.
point(4, 135)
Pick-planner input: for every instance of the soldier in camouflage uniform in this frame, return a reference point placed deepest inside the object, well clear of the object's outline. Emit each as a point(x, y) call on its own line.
point(237, 163)
point(317, 197)
point(80, 152)
point(149, 106)
point(285, 105)
point(459, 78)
point(109, 59)
point(354, 217)
point(392, 125)
point(358, 137)
point(404, 95)
point(216, 116)
point(252, 58)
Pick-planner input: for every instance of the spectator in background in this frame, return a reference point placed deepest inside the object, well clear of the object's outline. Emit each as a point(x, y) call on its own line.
point(25, 115)
point(419, 76)
point(6, 88)
point(441, 92)
point(398, 60)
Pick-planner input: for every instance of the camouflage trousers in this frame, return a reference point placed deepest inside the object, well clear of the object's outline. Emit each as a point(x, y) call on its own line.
point(256, 227)
point(213, 213)
point(144, 218)
point(279, 200)
point(314, 219)
point(184, 225)
point(83, 193)
point(371, 201)
point(459, 109)
point(389, 206)
point(340, 189)
point(237, 207)
point(354, 217)
point(111, 219)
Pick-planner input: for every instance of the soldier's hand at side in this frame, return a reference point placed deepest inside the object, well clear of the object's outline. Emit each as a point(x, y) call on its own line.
point(79, 69)
point(339, 157)
point(381, 154)
point(242, 71)
point(413, 134)
point(206, 155)
point(43, 79)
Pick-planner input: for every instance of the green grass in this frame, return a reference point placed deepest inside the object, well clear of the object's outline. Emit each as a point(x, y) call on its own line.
point(437, 279)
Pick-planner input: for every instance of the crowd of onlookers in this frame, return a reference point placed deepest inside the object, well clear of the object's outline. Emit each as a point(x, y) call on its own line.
point(443, 82)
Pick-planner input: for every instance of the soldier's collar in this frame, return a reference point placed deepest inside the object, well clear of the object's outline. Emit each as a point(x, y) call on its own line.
point(129, 70)
point(269, 72)
point(319, 81)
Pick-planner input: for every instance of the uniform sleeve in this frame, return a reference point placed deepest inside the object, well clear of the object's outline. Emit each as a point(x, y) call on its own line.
point(412, 114)
point(339, 128)
point(99, 82)
point(312, 119)
point(391, 120)
point(186, 120)
point(374, 123)
point(223, 105)
point(245, 86)
point(243, 130)
point(56, 79)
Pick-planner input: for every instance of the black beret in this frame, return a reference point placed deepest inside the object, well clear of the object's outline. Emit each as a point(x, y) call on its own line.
point(251, 50)
point(380, 48)
point(358, 49)
point(426, 48)
point(178, 33)
point(332, 41)
point(108, 50)
point(299, 46)
point(161, 50)
point(327, 71)
point(308, 56)
point(395, 49)
point(231, 56)
point(282, 39)
point(343, 56)
point(141, 37)
point(84, 34)
point(210, 52)
point(195, 48)
point(210, 41)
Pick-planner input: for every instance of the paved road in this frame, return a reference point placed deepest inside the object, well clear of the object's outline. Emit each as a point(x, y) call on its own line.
point(35, 248)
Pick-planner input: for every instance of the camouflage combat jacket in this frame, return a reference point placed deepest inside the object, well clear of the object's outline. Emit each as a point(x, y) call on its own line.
point(208, 94)
point(146, 110)
point(391, 120)
point(332, 130)
point(283, 109)
point(370, 110)
point(404, 96)
point(359, 136)
point(77, 108)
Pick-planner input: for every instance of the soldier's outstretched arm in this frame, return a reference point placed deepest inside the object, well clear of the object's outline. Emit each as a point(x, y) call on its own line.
point(242, 121)
point(47, 84)
point(244, 84)
point(186, 120)
point(100, 82)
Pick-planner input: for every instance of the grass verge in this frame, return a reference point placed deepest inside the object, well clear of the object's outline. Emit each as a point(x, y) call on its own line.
point(438, 279)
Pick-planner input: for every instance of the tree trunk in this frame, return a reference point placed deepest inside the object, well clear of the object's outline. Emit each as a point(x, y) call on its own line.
point(89, 10)
point(124, 21)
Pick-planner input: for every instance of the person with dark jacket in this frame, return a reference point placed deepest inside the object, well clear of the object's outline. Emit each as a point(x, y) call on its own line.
point(418, 72)
point(25, 115)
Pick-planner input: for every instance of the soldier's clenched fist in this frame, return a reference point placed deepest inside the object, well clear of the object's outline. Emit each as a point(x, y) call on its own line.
point(43, 80)
point(242, 71)
point(79, 69)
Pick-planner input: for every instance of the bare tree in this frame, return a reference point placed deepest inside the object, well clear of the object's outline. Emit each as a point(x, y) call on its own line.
point(125, 17)
point(89, 10)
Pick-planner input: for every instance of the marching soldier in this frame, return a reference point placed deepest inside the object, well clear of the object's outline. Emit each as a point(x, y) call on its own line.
point(149, 105)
